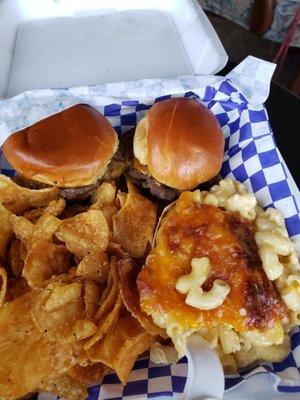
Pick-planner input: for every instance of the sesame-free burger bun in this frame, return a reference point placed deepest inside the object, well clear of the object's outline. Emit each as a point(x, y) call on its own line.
point(68, 149)
point(181, 143)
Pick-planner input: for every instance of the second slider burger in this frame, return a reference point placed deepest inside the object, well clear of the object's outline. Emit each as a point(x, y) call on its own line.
point(72, 150)
point(178, 145)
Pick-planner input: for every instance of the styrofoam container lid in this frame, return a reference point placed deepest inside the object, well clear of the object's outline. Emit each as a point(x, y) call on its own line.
point(71, 45)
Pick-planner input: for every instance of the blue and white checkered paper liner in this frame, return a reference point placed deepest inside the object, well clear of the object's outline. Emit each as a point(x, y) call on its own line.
point(251, 156)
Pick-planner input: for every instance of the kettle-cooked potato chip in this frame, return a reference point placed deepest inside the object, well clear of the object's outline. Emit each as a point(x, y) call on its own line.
point(83, 329)
point(62, 294)
point(105, 194)
point(121, 199)
point(92, 294)
point(128, 272)
point(103, 199)
point(110, 305)
point(89, 374)
point(55, 310)
point(55, 208)
point(110, 295)
point(105, 324)
point(122, 344)
point(115, 250)
point(85, 233)
point(94, 266)
point(64, 386)
point(45, 227)
point(28, 232)
point(44, 260)
point(33, 215)
point(18, 199)
point(31, 359)
point(22, 228)
point(3, 285)
point(17, 287)
point(134, 223)
point(129, 352)
point(17, 254)
point(6, 231)
point(108, 212)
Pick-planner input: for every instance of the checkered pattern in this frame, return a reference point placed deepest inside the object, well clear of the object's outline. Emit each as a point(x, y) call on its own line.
point(251, 157)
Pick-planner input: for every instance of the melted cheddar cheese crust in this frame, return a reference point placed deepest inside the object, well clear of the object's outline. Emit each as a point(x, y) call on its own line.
point(191, 230)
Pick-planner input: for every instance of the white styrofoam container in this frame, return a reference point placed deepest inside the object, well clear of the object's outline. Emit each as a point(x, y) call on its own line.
point(117, 41)
point(66, 43)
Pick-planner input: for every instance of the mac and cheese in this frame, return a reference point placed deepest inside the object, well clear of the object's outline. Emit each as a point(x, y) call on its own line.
point(225, 269)
point(191, 285)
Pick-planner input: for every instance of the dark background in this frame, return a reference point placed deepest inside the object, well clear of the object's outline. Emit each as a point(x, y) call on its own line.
point(283, 104)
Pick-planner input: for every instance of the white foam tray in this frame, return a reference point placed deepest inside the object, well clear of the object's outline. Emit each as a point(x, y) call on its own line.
point(66, 43)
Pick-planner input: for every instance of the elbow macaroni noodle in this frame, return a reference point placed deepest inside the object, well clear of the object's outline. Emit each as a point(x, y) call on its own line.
point(272, 267)
point(229, 340)
point(243, 203)
point(290, 294)
point(280, 264)
point(191, 285)
point(161, 354)
point(271, 336)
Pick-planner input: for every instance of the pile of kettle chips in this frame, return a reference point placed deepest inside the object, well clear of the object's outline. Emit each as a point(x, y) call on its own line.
point(69, 306)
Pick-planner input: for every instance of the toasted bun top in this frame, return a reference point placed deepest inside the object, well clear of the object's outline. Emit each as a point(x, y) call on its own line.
point(68, 149)
point(181, 142)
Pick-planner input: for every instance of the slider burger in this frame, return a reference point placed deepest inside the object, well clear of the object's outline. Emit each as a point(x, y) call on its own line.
point(72, 150)
point(178, 145)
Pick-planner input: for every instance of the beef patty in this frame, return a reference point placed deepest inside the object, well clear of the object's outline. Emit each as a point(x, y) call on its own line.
point(146, 181)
